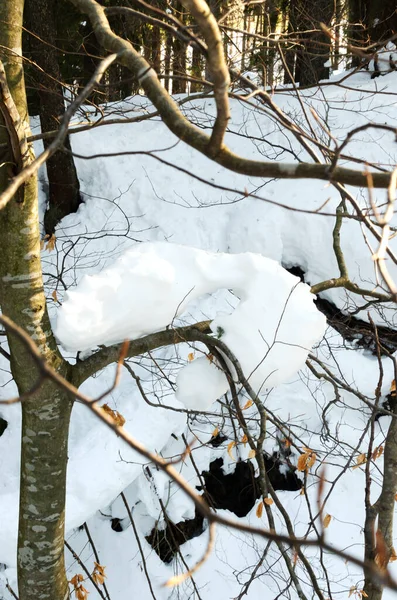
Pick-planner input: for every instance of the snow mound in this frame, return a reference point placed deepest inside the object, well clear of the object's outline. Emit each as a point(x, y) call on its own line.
point(270, 331)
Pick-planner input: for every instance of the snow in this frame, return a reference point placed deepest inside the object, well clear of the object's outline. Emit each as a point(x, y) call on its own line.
point(152, 247)
point(271, 330)
point(200, 383)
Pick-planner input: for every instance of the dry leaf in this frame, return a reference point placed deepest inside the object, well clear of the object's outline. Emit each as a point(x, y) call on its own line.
point(244, 439)
point(210, 357)
point(306, 460)
point(377, 452)
point(99, 573)
point(76, 579)
point(81, 593)
point(381, 553)
point(215, 432)
point(100, 568)
point(286, 442)
point(251, 453)
point(268, 501)
point(116, 416)
point(229, 450)
point(190, 356)
point(247, 404)
point(50, 245)
point(361, 459)
point(118, 419)
point(54, 295)
point(327, 520)
point(352, 590)
point(259, 510)
point(393, 388)
point(393, 555)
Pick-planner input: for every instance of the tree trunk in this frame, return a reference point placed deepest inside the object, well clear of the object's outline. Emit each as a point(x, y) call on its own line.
point(314, 48)
point(179, 57)
point(45, 414)
point(64, 188)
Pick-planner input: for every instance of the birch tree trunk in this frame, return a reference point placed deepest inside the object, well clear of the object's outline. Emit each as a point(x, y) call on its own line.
point(45, 414)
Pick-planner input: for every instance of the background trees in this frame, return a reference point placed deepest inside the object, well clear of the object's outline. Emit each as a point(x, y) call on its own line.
point(274, 41)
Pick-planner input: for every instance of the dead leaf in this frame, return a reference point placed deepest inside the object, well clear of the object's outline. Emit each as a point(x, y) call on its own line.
point(393, 555)
point(378, 451)
point(306, 460)
point(352, 590)
point(210, 357)
point(259, 510)
point(114, 414)
point(327, 520)
point(244, 440)
point(76, 579)
point(81, 593)
point(381, 554)
point(215, 432)
point(361, 459)
point(54, 296)
point(50, 245)
point(247, 404)
point(268, 501)
point(190, 356)
point(393, 388)
point(229, 450)
point(251, 453)
point(99, 573)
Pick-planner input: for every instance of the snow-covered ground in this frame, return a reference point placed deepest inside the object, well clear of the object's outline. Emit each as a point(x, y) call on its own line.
point(197, 264)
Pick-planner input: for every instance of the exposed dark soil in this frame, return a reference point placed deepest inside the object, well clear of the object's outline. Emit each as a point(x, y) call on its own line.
point(237, 492)
point(3, 426)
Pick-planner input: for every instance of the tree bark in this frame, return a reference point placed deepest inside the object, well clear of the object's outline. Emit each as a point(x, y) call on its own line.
point(179, 57)
point(64, 188)
point(45, 414)
point(314, 49)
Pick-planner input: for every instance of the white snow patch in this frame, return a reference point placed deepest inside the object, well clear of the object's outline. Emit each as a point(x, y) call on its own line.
point(200, 383)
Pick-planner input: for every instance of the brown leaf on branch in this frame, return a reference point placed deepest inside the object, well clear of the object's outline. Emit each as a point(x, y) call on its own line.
point(306, 460)
point(50, 245)
point(99, 573)
point(247, 404)
point(114, 414)
point(361, 460)
point(229, 450)
point(76, 579)
point(81, 593)
point(378, 451)
point(327, 520)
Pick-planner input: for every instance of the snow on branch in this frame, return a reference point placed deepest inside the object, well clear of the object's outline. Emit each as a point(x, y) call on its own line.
point(271, 330)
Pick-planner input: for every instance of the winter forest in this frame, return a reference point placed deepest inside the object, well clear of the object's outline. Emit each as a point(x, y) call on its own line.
point(198, 288)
